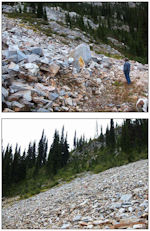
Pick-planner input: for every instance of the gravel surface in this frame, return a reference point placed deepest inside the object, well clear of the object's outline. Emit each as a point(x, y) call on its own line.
point(116, 198)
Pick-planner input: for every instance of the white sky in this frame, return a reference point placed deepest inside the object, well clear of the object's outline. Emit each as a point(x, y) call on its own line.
point(23, 131)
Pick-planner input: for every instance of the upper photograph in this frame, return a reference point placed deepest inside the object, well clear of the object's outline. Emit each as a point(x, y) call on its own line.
point(74, 57)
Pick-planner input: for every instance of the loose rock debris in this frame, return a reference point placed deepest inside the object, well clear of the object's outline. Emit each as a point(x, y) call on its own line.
point(114, 199)
point(42, 74)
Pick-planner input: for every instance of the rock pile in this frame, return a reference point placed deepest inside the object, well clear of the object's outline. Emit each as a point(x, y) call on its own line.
point(42, 74)
point(116, 198)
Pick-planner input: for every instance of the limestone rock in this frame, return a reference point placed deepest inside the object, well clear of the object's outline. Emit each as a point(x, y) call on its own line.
point(69, 101)
point(32, 68)
point(79, 80)
point(37, 51)
point(65, 226)
point(5, 92)
point(32, 58)
point(53, 96)
point(54, 68)
point(15, 56)
point(18, 86)
point(81, 51)
point(126, 198)
point(7, 110)
point(15, 104)
point(142, 105)
point(13, 66)
point(85, 202)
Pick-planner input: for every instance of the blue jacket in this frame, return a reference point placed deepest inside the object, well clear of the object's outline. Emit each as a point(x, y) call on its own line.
point(126, 67)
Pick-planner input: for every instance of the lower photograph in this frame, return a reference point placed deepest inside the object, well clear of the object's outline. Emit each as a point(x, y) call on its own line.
point(74, 173)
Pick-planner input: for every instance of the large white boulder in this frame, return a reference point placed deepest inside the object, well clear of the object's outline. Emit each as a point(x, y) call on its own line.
point(81, 52)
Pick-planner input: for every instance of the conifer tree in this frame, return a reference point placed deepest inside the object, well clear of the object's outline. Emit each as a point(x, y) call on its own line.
point(107, 137)
point(7, 169)
point(75, 140)
point(23, 166)
point(127, 138)
point(42, 152)
point(54, 158)
point(40, 11)
point(101, 137)
point(112, 135)
point(45, 15)
point(29, 156)
point(16, 165)
point(25, 8)
point(66, 151)
point(33, 7)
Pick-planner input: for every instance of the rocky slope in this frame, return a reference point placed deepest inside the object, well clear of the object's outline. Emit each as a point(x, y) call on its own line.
point(116, 198)
point(43, 73)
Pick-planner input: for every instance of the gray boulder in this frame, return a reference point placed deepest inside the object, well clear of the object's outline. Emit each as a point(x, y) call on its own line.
point(37, 51)
point(19, 86)
point(17, 104)
point(4, 92)
point(83, 51)
point(25, 94)
point(53, 96)
point(13, 67)
point(15, 56)
point(33, 58)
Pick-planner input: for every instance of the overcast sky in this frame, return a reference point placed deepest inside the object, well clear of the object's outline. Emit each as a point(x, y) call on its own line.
point(23, 131)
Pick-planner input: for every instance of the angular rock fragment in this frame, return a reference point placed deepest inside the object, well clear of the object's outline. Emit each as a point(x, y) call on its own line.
point(17, 106)
point(53, 96)
point(18, 86)
point(5, 92)
point(37, 51)
point(51, 68)
point(54, 68)
point(32, 68)
point(15, 56)
point(69, 102)
point(126, 197)
point(14, 67)
point(32, 58)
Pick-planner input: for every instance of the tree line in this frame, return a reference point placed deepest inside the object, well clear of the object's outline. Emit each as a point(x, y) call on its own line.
point(120, 144)
point(110, 17)
point(16, 165)
point(133, 135)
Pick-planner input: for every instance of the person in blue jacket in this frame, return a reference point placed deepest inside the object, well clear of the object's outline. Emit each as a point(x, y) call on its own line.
point(126, 70)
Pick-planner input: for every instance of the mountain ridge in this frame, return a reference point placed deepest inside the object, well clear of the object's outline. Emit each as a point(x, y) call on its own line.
point(101, 84)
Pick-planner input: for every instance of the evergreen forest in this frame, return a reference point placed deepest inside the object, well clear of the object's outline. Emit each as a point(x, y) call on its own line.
point(122, 21)
point(39, 167)
point(111, 17)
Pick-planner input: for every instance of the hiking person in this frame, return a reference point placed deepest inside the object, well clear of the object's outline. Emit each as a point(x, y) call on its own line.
point(126, 70)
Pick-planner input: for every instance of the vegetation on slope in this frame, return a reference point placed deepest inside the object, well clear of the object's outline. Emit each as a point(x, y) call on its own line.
point(129, 25)
point(37, 169)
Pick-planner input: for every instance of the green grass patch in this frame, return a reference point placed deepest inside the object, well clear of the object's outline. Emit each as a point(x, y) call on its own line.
point(104, 160)
point(30, 21)
point(118, 84)
point(63, 35)
point(115, 56)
